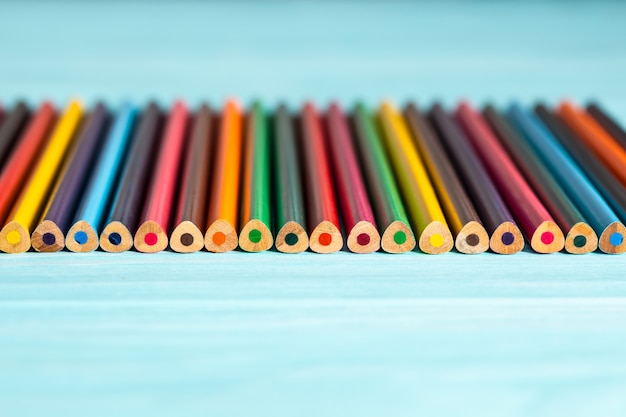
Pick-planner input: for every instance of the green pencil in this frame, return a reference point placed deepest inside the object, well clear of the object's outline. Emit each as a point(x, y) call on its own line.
point(256, 234)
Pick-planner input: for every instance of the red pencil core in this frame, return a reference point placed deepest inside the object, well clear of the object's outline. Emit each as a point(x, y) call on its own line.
point(547, 238)
point(150, 239)
point(325, 239)
point(363, 239)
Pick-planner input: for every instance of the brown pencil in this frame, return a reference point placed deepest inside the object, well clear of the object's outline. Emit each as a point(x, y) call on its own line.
point(188, 234)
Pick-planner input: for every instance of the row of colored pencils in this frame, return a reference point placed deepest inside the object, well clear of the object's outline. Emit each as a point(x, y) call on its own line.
point(389, 179)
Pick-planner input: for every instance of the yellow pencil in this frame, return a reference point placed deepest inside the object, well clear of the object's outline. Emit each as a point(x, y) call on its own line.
point(419, 195)
point(15, 235)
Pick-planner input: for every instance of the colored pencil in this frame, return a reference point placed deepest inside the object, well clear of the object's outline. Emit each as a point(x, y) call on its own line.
point(15, 235)
point(538, 225)
point(590, 202)
point(291, 236)
point(385, 197)
point(580, 237)
point(608, 123)
point(506, 237)
point(596, 139)
point(323, 219)
point(10, 130)
point(83, 234)
point(599, 174)
point(356, 211)
point(419, 196)
point(221, 234)
point(188, 233)
point(256, 232)
point(123, 220)
point(152, 233)
point(471, 236)
point(25, 153)
point(49, 235)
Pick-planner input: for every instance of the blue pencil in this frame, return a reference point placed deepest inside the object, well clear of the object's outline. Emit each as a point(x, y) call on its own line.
point(83, 235)
point(580, 189)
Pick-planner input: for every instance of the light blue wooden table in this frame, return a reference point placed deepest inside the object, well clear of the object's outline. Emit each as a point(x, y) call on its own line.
point(309, 335)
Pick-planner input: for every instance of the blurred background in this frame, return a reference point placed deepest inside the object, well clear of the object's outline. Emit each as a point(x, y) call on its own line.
point(293, 50)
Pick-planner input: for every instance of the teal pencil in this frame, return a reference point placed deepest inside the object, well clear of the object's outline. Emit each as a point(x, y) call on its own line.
point(83, 235)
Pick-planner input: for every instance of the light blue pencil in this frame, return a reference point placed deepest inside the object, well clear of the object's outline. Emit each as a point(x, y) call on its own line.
point(83, 235)
point(576, 184)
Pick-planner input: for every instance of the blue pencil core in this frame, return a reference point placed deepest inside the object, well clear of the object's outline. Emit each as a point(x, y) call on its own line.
point(507, 238)
point(80, 237)
point(115, 238)
point(616, 239)
point(49, 239)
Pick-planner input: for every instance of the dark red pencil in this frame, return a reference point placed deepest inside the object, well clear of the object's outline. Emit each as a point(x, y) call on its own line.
point(356, 210)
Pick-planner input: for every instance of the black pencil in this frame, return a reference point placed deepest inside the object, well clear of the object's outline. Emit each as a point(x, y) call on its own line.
point(506, 237)
point(10, 130)
point(608, 123)
point(117, 235)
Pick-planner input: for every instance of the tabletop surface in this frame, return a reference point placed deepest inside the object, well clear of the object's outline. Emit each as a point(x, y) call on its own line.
point(313, 335)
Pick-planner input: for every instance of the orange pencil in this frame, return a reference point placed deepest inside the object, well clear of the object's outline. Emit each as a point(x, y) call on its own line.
point(221, 235)
point(596, 139)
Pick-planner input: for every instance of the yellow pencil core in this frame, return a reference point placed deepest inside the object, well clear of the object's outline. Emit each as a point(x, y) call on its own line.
point(436, 240)
point(13, 237)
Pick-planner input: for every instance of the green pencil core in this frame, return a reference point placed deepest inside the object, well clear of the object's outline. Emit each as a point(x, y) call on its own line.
point(255, 235)
point(580, 241)
point(399, 237)
point(291, 239)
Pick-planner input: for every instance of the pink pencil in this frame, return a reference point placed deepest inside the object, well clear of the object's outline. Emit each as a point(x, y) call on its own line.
point(160, 200)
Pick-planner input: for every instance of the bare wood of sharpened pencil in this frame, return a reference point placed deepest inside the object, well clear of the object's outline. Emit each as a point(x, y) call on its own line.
point(471, 236)
point(188, 235)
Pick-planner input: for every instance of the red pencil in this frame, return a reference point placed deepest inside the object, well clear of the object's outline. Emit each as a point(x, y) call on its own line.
point(160, 200)
point(26, 152)
point(536, 223)
point(356, 210)
point(322, 217)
